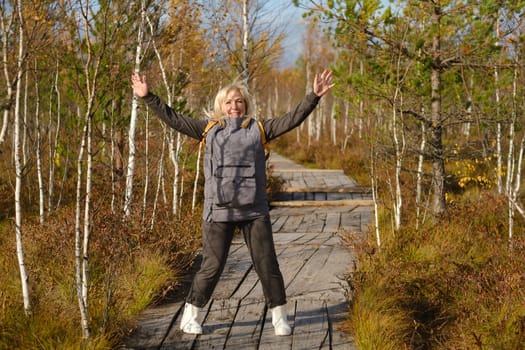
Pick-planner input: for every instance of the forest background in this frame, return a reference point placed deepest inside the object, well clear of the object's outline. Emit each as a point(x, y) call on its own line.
point(100, 203)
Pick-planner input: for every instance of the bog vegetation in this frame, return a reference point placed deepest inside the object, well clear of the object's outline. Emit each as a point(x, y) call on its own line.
point(100, 203)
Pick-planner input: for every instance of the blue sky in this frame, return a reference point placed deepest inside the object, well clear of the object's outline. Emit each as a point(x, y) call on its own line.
point(291, 19)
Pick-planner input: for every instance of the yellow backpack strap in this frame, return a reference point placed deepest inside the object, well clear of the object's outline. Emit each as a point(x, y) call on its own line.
point(210, 125)
point(264, 141)
point(263, 138)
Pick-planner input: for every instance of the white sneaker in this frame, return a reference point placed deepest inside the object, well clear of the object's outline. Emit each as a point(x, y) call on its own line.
point(280, 321)
point(189, 323)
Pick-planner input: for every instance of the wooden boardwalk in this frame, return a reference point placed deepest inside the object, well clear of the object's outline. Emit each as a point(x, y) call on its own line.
point(307, 219)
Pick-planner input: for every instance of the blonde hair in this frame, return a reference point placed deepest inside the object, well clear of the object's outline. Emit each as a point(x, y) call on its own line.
point(216, 114)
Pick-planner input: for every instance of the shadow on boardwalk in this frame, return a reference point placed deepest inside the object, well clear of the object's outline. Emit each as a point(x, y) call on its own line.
point(307, 219)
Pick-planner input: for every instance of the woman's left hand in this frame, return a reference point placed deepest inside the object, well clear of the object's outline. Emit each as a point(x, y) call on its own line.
point(323, 83)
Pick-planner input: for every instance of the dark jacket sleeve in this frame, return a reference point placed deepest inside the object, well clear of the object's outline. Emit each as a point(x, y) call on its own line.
point(278, 126)
point(186, 125)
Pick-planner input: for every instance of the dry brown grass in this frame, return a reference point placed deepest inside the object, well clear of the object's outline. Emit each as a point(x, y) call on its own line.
point(452, 284)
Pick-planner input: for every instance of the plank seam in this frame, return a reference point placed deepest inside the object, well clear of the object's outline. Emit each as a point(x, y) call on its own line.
point(172, 323)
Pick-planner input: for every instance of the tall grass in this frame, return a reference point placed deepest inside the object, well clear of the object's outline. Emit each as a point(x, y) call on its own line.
point(130, 268)
point(452, 284)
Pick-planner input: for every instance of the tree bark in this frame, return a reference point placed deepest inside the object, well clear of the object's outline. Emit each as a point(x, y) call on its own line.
point(24, 279)
point(436, 127)
point(6, 28)
point(133, 122)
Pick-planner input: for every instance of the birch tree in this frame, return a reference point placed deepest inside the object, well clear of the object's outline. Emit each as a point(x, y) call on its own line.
point(6, 23)
point(24, 279)
point(133, 121)
point(100, 25)
point(39, 170)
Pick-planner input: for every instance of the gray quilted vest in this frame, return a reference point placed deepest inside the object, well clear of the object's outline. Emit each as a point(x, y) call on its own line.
point(234, 173)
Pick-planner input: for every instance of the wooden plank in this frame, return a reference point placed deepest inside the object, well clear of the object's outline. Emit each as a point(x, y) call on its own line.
point(340, 339)
point(177, 339)
point(245, 332)
point(332, 222)
point(217, 324)
point(301, 284)
point(248, 285)
point(354, 202)
point(269, 341)
point(153, 326)
point(329, 189)
point(276, 171)
point(286, 238)
point(291, 260)
point(351, 222)
point(312, 222)
point(292, 223)
point(320, 276)
point(279, 222)
point(311, 329)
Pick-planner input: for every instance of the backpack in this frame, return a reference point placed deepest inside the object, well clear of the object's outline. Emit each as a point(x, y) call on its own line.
point(212, 123)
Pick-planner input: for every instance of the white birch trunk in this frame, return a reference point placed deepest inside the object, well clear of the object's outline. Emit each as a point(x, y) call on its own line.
point(333, 125)
point(83, 227)
point(174, 151)
point(515, 191)
point(24, 125)
point(361, 107)
point(41, 199)
point(133, 120)
point(245, 38)
point(181, 189)
point(310, 120)
point(318, 118)
point(78, 239)
point(160, 177)
point(510, 155)
point(419, 174)
point(53, 145)
point(112, 156)
point(6, 28)
point(511, 190)
point(5, 122)
point(146, 175)
point(87, 221)
point(374, 197)
point(499, 160)
point(499, 166)
point(24, 278)
point(82, 238)
point(399, 147)
point(398, 201)
point(467, 125)
point(174, 148)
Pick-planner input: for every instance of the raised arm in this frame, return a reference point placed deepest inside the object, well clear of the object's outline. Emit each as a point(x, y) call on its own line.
point(186, 125)
point(278, 126)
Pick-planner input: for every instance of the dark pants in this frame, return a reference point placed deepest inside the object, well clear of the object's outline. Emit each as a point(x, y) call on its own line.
point(216, 241)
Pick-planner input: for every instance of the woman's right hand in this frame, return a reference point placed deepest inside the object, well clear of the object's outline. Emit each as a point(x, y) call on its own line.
point(139, 84)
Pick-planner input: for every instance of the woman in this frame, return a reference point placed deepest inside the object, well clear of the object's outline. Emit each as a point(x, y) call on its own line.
point(234, 190)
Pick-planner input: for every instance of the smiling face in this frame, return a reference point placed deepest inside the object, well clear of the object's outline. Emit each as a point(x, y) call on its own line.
point(233, 105)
